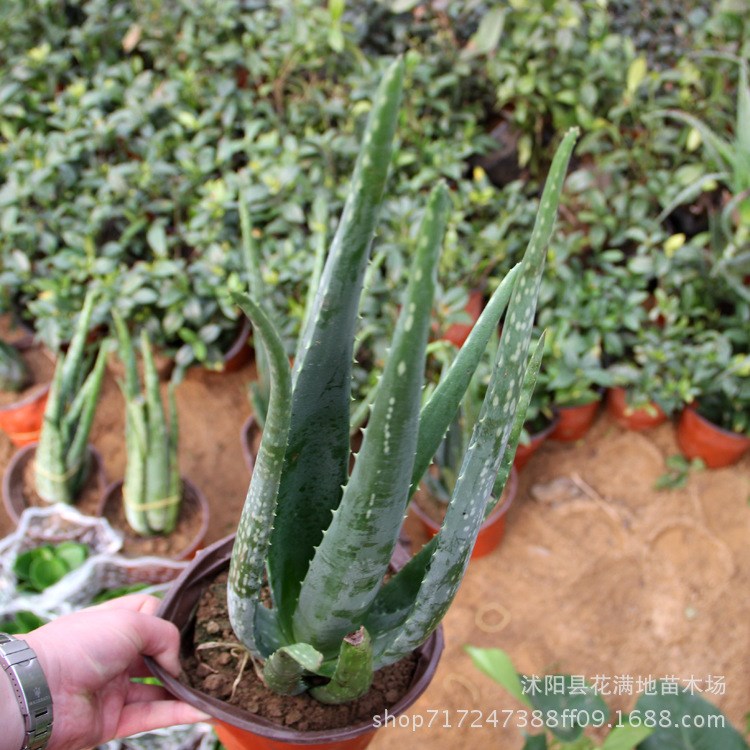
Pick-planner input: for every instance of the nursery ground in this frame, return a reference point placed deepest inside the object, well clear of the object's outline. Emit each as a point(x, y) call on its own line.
point(599, 574)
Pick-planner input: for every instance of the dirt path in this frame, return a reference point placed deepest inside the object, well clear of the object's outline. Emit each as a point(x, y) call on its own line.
point(599, 574)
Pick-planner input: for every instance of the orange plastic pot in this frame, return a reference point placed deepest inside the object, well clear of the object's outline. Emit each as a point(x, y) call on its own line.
point(525, 452)
point(457, 333)
point(630, 418)
point(700, 438)
point(22, 421)
point(574, 421)
point(240, 739)
point(492, 531)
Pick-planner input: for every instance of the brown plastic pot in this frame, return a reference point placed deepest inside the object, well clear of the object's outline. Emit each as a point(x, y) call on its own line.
point(193, 500)
point(239, 353)
point(22, 420)
point(249, 433)
point(629, 418)
point(491, 532)
point(13, 497)
point(457, 333)
point(525, 452)
point(238, 729)
point(574, 421)
point(700, 438)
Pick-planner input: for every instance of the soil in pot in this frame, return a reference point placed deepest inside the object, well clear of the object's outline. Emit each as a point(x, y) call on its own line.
point(19, 485)
point(214, 670)
point(431, 513)
point(22, 412)
point(630, 418)
point(182, 543)
point(700, 438)
point(574, 421)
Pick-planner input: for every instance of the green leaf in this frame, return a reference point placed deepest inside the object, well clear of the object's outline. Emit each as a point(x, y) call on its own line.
point(626, 737)
point(316, 464)
point(497, 665)
point(365, 527)
point(247, 570)
point(535, 742)
point(487, 36)
point(707, 728)
point(45, 572)
point(353, 675)
point(73, 554)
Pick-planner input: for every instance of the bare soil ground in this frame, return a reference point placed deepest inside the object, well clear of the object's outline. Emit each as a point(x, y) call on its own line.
point(599, 574)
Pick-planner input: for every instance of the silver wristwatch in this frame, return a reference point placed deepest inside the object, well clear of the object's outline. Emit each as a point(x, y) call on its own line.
point(19, 661)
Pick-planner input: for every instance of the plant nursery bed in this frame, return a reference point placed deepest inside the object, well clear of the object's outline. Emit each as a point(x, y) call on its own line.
point(599, 574)
point(214, 670)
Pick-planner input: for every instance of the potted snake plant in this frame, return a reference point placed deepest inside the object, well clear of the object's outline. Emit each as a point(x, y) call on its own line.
point(305, 592)
point(158, 511)
point(65, 468)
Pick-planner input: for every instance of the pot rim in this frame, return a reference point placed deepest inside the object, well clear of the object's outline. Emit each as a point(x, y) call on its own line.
point(497, 512)
point(188, 486)
point(39, 390)
point(21, 455)
point(728, 434)
point(209, 563)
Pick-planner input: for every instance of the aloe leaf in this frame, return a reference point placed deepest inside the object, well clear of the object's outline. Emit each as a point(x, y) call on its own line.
point(465, 512)
point(157, 487)
point(247, 568)
point(353, 674)
point(49, 459)
point(251, 255)
point(395, 599)
point(318, 454)
point(73, 360)
point(285, 668)
point(353, 556)
point(519, 418)
point(442, 406)
point(691, 192)
point(175, 480)
point(127, 355)
point(78, 452)
point(742, 126)
point(718, 146)
point(134, 483)
point(319, 229)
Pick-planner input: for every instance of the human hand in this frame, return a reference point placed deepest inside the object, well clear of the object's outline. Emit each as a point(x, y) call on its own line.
point(89, 658)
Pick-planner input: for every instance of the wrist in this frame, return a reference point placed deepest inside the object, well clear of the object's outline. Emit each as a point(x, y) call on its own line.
point(13, 735)
point(29, 691)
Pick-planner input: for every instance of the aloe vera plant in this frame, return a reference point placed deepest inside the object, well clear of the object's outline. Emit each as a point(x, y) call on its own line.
point(151, 491)
point(322, 539)
point(14, 374)
point(62, 458)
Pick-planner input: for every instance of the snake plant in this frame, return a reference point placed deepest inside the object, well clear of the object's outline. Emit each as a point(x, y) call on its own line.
point(322, 539)
point(151, 491)
point(14, 374)
point(62, 457)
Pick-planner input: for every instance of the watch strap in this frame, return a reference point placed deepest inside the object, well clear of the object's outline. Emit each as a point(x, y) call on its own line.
point(30, 686)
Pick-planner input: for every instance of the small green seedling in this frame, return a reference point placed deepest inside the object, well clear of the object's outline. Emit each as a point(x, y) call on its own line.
point(42, 567)
point(678, 471)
